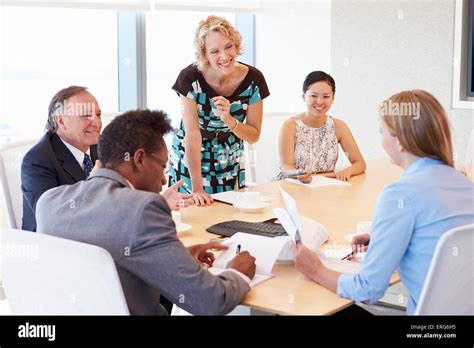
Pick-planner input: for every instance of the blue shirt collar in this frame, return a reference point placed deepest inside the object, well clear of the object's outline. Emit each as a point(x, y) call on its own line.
point(422, 162)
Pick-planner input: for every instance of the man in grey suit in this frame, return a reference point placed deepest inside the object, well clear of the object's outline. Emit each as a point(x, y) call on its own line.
point(119, 209)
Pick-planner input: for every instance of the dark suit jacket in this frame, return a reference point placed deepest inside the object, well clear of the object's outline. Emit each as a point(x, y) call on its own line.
point(48, 164)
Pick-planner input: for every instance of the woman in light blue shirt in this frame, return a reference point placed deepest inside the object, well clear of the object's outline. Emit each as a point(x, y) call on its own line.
point(411, 214)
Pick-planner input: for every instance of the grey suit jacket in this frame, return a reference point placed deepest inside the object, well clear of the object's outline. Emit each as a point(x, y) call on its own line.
point(137, 229)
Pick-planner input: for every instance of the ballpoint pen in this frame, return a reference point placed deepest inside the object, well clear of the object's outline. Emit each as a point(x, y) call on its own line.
point(294, 175)
point(186, 189)
point(355, 251)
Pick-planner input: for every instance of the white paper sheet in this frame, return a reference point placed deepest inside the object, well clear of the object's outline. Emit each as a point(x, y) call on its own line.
point(233, 197)
point(264, 249)
point(292, 211)
point(319, 181)
point(341, 266)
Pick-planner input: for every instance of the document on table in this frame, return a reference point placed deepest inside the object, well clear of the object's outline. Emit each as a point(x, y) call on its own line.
point(232, 197)
point(338, 265)
point(314, 235)
point(320, 181)
point(264, 249)
point(292, 223)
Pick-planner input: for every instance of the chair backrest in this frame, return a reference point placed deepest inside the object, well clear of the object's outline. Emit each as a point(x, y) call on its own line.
point(449, 284)
point(11, 156)
point(46, 275)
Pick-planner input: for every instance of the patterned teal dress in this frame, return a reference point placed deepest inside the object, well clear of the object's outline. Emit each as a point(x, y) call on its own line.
point(222, 155)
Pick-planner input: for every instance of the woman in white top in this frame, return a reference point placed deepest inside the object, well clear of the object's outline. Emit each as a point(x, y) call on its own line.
point(309, 141)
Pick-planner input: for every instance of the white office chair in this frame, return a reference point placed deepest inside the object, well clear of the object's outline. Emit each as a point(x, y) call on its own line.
point(449, 284)
point(46, 275)
point(11, 156)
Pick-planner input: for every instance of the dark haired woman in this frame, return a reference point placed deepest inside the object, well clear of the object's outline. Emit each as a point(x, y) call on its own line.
point(309, 141)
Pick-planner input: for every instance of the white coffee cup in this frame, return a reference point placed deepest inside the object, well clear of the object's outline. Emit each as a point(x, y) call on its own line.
point(364, 227)
point(251, 199)
point(176, 215)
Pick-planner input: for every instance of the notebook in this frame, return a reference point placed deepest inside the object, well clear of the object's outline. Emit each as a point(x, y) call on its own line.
point(264, 249)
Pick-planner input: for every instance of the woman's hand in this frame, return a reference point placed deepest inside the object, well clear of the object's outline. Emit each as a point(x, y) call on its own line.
point(222, 109)
point(359, 244)
point(201, 198)
point(344, 175)
point(306, 177)
point(306, 261)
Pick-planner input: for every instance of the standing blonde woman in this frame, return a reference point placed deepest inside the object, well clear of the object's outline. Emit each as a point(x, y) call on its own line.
point(411, 214)
point(222, 106)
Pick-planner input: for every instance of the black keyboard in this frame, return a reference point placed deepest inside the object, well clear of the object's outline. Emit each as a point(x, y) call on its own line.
point(229, 228)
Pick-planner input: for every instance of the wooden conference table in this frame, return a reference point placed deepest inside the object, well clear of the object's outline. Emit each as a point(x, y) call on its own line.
point(338, 208)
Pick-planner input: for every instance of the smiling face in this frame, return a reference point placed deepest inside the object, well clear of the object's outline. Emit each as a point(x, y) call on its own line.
point(221, 53)
point(318, 98)
point(80, 123)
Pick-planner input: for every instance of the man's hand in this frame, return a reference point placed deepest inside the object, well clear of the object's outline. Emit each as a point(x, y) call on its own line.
point(244, 263)
point(97, 165)
point(202, 255)
point(175, 199)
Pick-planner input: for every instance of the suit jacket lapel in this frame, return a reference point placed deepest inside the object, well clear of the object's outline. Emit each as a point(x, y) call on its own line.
point(94, 155)
point(68, 161)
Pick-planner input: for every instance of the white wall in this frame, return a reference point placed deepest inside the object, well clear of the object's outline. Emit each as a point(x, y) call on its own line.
point(382, 47)
point(373, 49)
point(293, 39)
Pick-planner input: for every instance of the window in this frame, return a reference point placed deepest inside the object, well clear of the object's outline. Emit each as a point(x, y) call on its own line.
point(170, 48)
point(47, 49)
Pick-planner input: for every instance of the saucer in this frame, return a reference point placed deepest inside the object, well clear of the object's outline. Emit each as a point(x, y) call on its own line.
point(266, 199)
point(252, 209)
point(183, 228)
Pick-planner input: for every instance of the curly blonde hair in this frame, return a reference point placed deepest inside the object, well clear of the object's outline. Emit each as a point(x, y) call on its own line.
point(216, 24)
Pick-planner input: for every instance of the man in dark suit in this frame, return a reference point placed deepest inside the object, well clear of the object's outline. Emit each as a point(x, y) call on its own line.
point(66, 153)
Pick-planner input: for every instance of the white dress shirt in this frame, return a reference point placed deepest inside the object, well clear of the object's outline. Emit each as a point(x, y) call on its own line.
point(78, 154)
